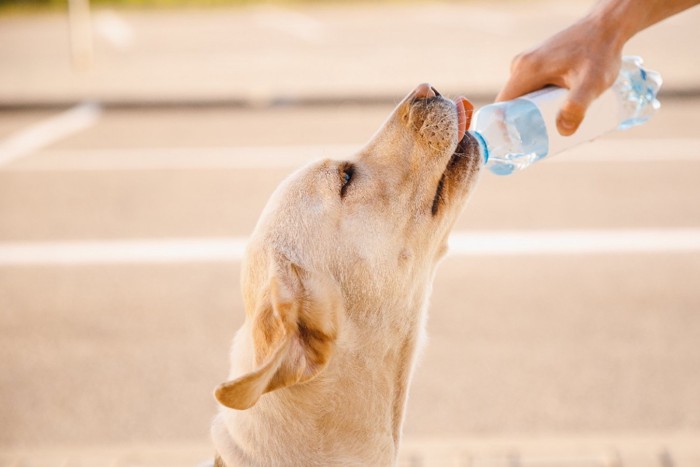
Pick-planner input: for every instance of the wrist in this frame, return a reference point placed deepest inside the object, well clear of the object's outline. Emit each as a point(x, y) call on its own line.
point(615, 22)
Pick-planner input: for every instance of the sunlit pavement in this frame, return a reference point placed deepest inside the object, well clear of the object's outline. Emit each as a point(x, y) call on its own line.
point(540, 344)
point(582, 356)
point(261, 54)
point(651, 450)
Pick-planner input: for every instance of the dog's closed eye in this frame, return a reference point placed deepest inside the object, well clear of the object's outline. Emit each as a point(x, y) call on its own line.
point(347, 171)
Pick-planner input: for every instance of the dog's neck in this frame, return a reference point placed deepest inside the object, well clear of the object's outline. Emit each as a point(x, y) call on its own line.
point(351, 414)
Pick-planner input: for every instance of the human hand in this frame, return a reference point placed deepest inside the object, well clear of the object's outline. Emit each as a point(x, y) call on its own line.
point(584, 58)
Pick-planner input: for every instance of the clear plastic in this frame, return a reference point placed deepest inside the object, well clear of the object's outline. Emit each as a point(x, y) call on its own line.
point(517, 133)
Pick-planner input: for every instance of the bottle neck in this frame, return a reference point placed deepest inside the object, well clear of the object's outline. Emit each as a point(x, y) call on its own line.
point(482, 145)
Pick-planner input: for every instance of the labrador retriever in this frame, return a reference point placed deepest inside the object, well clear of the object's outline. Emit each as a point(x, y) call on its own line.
point(335, 286)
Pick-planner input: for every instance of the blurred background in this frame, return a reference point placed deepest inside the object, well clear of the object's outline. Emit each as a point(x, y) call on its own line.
point(139, 141)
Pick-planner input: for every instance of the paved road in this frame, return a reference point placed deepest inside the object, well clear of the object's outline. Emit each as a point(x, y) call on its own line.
point(259, 54)
point(118, 237)
point(522, 345)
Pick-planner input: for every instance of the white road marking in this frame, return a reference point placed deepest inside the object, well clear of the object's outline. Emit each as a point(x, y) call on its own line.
point(574, 242)
point(495, 243)
point(123, 251)
point(112, 27)
point(287, 157)
point(48, 131)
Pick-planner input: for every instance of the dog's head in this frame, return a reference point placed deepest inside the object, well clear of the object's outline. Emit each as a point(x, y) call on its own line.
point(352, 243)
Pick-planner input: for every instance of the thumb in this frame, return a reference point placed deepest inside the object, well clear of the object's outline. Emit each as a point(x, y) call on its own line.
point(574, 109)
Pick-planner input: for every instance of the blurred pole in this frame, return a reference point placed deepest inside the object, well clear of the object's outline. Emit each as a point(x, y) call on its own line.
point(80, 34)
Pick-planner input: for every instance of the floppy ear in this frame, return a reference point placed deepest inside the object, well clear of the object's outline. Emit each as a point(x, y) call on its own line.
point(294, 330)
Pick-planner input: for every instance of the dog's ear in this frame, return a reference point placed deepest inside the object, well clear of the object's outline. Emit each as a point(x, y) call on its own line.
point(294, 330)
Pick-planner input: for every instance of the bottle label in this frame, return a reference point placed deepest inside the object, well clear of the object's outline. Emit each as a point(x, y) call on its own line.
point(601, 117)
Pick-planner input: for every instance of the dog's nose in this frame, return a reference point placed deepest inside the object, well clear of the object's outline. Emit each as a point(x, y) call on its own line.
point(424, 91)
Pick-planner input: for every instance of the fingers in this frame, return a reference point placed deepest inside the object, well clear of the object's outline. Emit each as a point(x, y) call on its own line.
point(570, 117)
point(524, 78)
point(569, 60)
point(574, 109)
point(516, 87)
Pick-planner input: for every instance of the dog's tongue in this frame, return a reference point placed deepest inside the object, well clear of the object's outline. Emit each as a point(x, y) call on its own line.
point(464, 115)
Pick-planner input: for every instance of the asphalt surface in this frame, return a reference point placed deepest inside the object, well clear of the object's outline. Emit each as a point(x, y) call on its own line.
point(581, 354)
point(261, 54)
point(105, 352)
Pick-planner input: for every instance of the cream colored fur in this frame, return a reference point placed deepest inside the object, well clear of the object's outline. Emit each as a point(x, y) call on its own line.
point(335, 287)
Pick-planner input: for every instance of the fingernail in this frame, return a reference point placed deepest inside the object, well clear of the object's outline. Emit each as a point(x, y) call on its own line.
point(567, 125)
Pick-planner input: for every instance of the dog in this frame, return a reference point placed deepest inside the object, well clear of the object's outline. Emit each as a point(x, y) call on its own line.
point(335, 284)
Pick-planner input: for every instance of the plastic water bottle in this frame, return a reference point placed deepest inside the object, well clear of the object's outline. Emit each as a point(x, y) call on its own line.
point(516, 133)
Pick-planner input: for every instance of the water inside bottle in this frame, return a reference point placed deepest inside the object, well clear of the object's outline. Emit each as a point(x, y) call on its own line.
point(516, 136)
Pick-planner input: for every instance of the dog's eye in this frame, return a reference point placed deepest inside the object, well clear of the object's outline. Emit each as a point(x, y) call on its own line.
point(346, 173)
